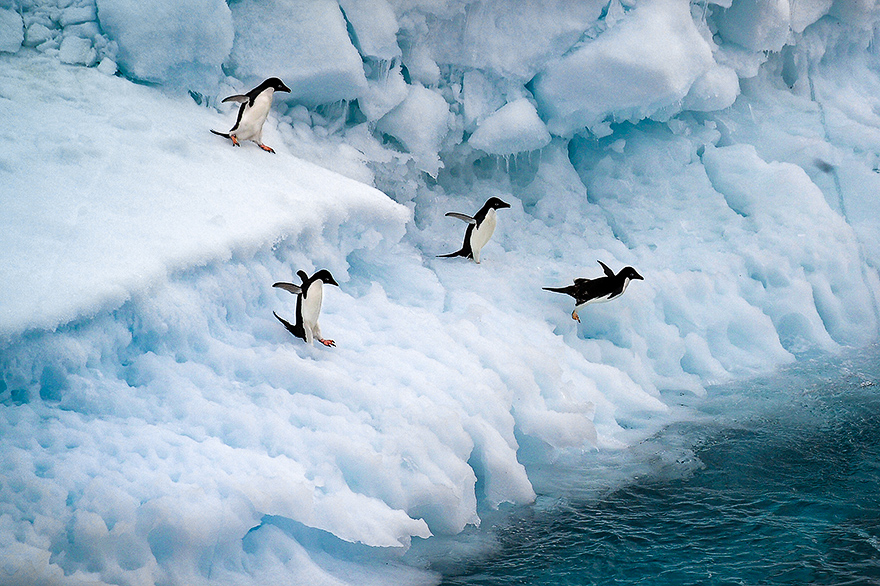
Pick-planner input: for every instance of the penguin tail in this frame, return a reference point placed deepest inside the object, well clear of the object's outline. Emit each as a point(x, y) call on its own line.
point(227, 135)
point(461, 252)
point(566, 290)
point(288, 326)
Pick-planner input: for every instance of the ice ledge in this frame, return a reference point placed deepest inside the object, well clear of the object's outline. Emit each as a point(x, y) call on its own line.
point(125, 185)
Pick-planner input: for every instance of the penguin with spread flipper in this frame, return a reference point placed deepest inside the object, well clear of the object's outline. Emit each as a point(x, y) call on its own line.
point(480, 229)
point(598, 290)
point(309, 296)
point(254, 110)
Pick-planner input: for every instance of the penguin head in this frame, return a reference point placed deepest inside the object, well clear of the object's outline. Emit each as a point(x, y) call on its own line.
point(496, 204)
point(630, 273)
point(325, 277)
point(276, 84)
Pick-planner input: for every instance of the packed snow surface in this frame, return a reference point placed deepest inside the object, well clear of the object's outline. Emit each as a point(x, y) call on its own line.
point(158, 425)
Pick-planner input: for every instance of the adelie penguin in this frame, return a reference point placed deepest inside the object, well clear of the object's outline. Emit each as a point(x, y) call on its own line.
point(598, 290)
point(479, 230)
point(309, 296)
point(254, 110)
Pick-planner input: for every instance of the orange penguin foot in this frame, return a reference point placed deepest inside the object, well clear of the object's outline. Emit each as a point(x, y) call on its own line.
point(575, 316)
point(268, 149)
point(235, 141)
point(328, 343)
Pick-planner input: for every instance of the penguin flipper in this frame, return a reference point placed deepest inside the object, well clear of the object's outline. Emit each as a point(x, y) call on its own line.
point(295, 289)
point(461, 252)
point(240, 98)
point(605, 268)
point(463, 217)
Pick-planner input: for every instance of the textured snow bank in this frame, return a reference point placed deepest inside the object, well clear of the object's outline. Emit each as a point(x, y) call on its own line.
point(125, 186)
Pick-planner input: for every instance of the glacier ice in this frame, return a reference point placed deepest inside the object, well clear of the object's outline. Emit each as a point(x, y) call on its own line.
point(420, 123)
point(159, 426)
point(161, 42)
point(513, 128)
point(11, 31)
point(304, 43)
point(642, 64)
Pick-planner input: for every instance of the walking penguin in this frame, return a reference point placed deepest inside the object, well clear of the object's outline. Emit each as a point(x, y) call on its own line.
point(254, 110)
point(479, 230)
point(309, 296)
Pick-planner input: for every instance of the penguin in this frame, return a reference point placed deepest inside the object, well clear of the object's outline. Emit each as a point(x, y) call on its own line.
point(479, 230)
point(598, 290)
point(309, 296)
point(255, 106)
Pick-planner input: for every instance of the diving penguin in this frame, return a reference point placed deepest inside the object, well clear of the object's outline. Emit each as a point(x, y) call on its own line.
point(309, 296)
point(479, 230)
point(598, 290)
point(255, 106)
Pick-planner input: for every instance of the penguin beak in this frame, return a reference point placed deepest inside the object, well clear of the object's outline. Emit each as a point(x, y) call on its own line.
point(331, 281)
point(503, 205)
point(284, 88)
point(638, 276)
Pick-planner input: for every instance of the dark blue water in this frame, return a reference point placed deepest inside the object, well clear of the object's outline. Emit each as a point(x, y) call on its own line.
point(781, 485)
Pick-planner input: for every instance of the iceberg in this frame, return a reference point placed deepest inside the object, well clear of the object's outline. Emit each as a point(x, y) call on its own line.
point(159, 426)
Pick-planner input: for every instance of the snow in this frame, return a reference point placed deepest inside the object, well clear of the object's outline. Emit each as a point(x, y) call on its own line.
point(159, 426)
point(183, 196)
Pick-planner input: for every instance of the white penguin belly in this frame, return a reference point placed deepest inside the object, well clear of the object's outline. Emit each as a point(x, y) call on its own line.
point(311, 308)
point(605, 298)
point(482, 233)
point(250, 127)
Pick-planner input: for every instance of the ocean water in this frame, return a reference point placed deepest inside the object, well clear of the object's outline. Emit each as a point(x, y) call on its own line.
point(774, 481)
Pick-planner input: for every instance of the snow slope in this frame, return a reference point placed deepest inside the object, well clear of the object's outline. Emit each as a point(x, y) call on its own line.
point(125, 185)
point(159, 426)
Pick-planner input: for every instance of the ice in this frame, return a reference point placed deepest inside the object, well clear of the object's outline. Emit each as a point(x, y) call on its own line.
point(37, 33)
point(644, 63)
point(715, 90)
point(11, 31)
point(514, 128)
point(77, 51)
point(168, 41)
point(306, 44)
point(756, 25)
point(375, 28)
point(420, 123)
point(803, 14)
point(77, 15)
point(383, 94)
point(159, 426)
point(510, 39)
